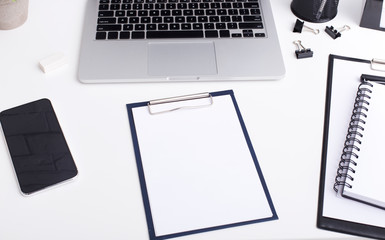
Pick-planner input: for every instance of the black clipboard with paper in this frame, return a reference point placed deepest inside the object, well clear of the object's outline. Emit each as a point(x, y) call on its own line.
point(336, 213)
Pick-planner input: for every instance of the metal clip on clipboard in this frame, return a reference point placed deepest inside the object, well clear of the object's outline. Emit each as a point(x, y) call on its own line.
point(377, 64)
point(153, 103)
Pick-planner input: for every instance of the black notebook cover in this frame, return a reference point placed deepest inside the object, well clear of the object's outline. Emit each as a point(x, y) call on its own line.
point(349, 216)
point(371, 16)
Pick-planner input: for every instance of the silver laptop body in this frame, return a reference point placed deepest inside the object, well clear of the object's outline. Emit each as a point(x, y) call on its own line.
point(235, 54)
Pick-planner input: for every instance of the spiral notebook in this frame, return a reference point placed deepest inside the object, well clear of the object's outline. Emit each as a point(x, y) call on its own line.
point(362, 165)
point(335, 212)
point(197, 168)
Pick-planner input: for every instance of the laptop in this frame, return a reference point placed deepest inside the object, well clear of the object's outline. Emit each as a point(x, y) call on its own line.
point(179, 40)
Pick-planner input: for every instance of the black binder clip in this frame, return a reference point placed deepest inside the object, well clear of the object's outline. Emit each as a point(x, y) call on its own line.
point(300, 25)
point(336, 33)
point(302, 52)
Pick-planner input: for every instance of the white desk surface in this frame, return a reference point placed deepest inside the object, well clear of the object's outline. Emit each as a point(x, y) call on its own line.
point(284, 119)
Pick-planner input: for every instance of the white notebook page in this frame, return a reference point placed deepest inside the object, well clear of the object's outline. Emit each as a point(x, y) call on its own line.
point(382, 21)
point(369, 180)
point(198, 168)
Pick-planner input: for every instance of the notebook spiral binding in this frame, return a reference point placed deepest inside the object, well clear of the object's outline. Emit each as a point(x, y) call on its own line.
point(353, 138)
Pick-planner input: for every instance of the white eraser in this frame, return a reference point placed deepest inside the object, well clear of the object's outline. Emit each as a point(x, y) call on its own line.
point(52, 62)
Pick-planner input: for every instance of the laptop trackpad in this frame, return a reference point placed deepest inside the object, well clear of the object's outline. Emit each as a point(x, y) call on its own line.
point(181, 59)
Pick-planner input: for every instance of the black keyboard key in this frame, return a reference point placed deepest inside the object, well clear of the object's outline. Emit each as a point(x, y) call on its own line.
point(260, 35)
point(186, 26)
point(148, 6)
point(171, 6)
point(251, 5)
point(115, 7)
point(237, 5)
point(150, 27)
point(145, 20)
point(236, 18)
point(124, 35)
point(131, 13)
point(123, 20)
point(142, 13)
point(214, 19)
point(197, 26)
point(252, 25)
point(176, 12)
point(225, 19)
point(188, 12)
point(199, 12)
point(156, 19)
point(106, 20)
point(224, 33)
point(126, 6)
point(101, 35)
point(181, 6)
point(232, 25)
point(191, 19)
point(251, 18)
point(209, 26)
point(137, 6)
point(109, 27)
point(103, 7)
point(236, 35)
point(128, 27)
point(244, 11)
point(168, 19)
point(233, 11)
point(134, 20)
point(215, 5)
point(174, 34)
point(113, 35)
point(193, 6)
point(162, 26)
point(165, 12)
point(255, 11)
point(226, 5)
point(211, 34)
point(220, 25)
point(154, 13)
point(120, 13)
point(139, 27)
point(174, 26)
point(137, 35)
point(203, 19)
point(159, 6)
point(247, 33)
point(106, 13)
point(180, 19)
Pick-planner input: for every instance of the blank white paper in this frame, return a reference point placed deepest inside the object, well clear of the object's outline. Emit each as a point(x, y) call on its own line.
point(382, 22)
point(198, 168)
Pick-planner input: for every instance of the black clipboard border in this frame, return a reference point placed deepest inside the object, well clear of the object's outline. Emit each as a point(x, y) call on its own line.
point(327, 223)
point(145, 198)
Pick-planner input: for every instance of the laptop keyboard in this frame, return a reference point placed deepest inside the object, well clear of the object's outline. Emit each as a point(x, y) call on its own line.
point(154, 19)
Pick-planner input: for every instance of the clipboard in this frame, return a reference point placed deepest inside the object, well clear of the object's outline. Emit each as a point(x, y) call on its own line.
point(336, 213)
point(197, 167)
